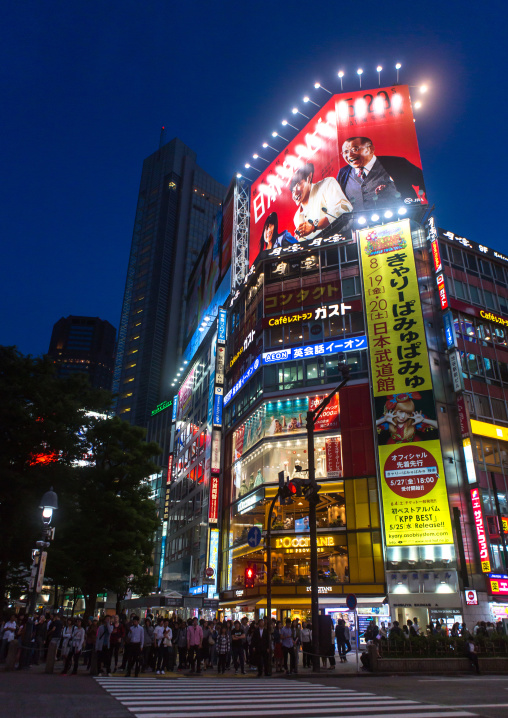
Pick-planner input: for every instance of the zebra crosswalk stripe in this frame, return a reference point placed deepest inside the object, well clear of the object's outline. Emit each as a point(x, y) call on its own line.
point(236, 698)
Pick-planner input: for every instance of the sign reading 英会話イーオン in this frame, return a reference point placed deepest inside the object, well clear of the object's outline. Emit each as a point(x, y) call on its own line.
point(415, 500)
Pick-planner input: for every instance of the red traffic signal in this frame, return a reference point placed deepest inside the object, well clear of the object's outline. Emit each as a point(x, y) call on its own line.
point(250, 576)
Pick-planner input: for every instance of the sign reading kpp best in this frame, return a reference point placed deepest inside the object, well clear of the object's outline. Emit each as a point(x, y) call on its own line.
point(415, 499)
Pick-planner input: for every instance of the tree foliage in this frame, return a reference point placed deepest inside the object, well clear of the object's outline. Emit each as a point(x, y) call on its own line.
point(105, 522)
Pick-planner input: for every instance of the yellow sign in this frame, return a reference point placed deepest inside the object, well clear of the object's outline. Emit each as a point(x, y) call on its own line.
point(398, 350)
point(415, 499)
point(485, 429)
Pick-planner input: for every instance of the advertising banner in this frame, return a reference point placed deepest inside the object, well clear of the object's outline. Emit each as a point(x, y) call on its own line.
point(213, 559)
point(498, 584)
point(220, 364)
point(185, 394)
point(481, 535)
point(413, 484)
point(303, 297)
point(215, 457)
point(217, 406)
point(359, 152)
point(213, 506)
point(333, 458)
point(415, 499)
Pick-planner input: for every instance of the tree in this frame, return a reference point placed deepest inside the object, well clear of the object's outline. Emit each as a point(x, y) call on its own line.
point(106, 522)
point(40, 439)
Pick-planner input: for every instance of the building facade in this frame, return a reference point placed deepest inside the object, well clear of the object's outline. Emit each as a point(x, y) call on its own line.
point(84, 345)
point(176, 204)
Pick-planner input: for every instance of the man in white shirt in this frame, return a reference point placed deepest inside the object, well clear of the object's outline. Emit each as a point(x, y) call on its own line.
point(136, 639)
point(8, 634)
point(158, 635)
point(311, 199)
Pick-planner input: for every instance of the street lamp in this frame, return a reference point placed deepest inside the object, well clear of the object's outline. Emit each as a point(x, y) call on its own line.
point(48, 504)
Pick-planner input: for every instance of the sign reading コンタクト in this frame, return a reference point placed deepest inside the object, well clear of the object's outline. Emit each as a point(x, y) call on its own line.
point(415, 499)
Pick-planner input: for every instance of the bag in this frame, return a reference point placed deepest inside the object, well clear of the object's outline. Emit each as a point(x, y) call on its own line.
point(211, 642)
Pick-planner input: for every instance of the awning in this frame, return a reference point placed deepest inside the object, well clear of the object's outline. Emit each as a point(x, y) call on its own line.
point(298, 601)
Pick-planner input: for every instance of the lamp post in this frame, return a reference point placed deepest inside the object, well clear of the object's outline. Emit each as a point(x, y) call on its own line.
point(312, 417)
point(48, 504)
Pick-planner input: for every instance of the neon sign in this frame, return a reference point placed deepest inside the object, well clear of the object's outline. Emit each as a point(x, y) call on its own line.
point(480, 530)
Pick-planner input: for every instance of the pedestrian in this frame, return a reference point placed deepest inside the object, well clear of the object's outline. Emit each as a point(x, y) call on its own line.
point(9, 630)
point(41, 631)
point(237, 637)
point(288, 647)
point(194, 643)
point(67, 634)
point(158, 635)
point(278, 654)
point(148, 645)
point(223, 649)
point(136, 636)
point(76, 646)
point(116, 639)
point(261, 647)
point(168, 662)
point(396, 631)
point(91, 636)
point(181, 644)
point(205, 647)
point(343, 639)
point(103, 647)
point(472, 655)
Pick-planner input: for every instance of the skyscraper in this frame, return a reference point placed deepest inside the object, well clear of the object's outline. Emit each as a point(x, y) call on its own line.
point(84, 345)
point(176, 204)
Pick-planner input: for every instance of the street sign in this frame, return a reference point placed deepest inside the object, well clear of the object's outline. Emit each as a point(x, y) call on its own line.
point(209, 571)
point(42, 567)
point(173, 602)
point(211, 603)
point(254, 536)
point(351, 601)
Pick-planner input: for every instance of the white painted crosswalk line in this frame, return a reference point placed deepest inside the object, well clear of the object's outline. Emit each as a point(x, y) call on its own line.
point(211, 697)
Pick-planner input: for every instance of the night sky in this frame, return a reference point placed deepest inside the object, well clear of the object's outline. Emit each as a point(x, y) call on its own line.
point(86, 86)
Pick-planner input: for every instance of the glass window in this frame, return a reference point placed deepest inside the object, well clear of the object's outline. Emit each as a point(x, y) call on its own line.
point(499, 409)
point(499, 272)
point(488, 367)
point(460, 289)
point(476, 296)
point(471, 262)
point(349, 287)
point(503, 304)
point(503, 371)
point(490, 299)
point(482, 405)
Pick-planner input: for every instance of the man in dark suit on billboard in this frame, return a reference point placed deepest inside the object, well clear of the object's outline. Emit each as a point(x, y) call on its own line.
point(371, 182)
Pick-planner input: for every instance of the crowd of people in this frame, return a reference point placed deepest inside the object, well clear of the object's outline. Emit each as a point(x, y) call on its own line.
point(165, 644)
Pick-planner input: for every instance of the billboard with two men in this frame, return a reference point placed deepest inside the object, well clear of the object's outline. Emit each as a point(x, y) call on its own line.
point(359, 153)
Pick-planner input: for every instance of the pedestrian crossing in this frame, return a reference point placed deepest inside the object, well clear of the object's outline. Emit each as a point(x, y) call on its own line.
point(219, 697)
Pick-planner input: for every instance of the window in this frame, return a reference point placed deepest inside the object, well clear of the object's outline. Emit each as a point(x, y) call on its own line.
point(460, 289)
point(476, 294)
point(471, 262)
point(490, 299)
point(349, 287)
point(456, 255)
point(482, 405)
point(499, 409)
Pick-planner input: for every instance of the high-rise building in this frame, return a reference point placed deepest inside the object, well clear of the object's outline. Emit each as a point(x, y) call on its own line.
point(84, 345)
point(176, 204)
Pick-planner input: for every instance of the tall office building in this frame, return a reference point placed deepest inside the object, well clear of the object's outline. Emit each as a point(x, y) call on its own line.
point(84, 345)
point(176, 204)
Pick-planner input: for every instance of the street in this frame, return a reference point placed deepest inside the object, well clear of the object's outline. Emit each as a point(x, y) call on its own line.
point(210, 696)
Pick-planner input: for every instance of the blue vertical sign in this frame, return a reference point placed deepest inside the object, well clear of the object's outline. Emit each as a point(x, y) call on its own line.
point(449, 329)
point(221, 331)
point(217, 406)
point(175, 407)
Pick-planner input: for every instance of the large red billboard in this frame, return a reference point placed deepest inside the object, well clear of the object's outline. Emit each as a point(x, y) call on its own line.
point(358, 153)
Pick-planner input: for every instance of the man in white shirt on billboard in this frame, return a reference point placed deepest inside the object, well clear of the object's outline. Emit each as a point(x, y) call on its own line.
point(312, 199)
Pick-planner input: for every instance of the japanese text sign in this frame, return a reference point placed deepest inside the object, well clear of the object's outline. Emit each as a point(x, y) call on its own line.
point(481, 535)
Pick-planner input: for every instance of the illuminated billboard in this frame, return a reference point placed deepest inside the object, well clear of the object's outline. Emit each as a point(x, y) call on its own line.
point(358, 153)
point(413, 484)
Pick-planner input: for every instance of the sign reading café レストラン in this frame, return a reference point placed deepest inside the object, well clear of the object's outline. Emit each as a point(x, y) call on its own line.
point(415, 499)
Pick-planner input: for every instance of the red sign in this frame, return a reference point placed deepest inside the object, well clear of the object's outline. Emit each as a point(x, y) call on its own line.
point(463, 416)
point(333, 458)
point(316, 175)
point(436, 256)
point(330, 418)
point(170, 468)
point(411, 473)
point(471, 597)
point(480, 530)
point(213, 506)
point(209, 572)
point(443, 299)
point(498, 586)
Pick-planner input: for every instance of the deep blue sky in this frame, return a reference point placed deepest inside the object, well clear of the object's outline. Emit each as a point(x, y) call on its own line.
point(85, 87)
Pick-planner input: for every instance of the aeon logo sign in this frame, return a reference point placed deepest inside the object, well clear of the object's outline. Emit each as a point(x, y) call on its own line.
point(276, 356)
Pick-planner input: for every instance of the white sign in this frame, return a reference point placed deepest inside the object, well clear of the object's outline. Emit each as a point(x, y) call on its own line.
point(42, 567)
point(321, 589)
point(471, 597)
point(219, 367)
point(456, 369)
point(216, 442)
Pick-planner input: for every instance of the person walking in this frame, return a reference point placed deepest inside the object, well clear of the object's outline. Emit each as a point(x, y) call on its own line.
point(41, 631)
point(9, 630)
point(102, 647)
point(115, 639)
point(67, 634)
point(76, 646)
point(343, 639)
point(223, 648)
point(278, 654)
point(148, 645)
point(194, 643)
point(237, 638)
point(306, 637)
point(181, 645)
point(288, 647)
point(261, 647)
point(136, 637)
point(168, 662)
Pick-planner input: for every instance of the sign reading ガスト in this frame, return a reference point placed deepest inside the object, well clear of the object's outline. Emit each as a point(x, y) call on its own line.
point(415, 499)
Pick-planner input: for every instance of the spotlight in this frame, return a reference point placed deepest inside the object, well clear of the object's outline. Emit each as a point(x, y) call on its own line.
point(375, 218)
point(247, 165)
point(361, 220)
point(397, 67)
point(359, 72)
point(423, 88)
point(238, 175)
point(388, 213)
point(402, 210)
point(418, 104)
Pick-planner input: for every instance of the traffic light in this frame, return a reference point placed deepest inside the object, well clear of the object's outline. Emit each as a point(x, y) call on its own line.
point(285, 492)
point(250, 576)
point(303, 487)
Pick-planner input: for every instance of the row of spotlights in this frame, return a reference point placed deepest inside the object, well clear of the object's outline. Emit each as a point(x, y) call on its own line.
point(423, 89)
point(387, 215)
